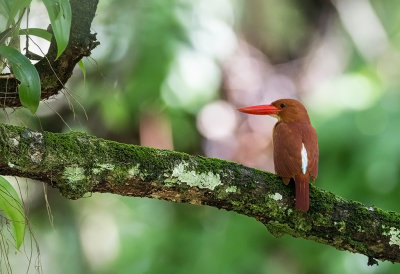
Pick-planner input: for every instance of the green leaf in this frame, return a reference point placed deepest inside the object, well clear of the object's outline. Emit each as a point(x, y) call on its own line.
point(5, 8)
point(11, 205)
point(42, 33)
point(60, 18)
point(82, 66)
point(29, 90)
point(16, 7)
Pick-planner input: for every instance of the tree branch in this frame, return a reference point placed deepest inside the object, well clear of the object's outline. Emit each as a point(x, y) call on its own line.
point(55, 73)
point(76, 164)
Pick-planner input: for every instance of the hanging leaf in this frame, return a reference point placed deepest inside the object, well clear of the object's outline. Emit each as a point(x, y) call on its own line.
point(29, 90)
point(11, 205)
point(42, 33)
point(60, 18)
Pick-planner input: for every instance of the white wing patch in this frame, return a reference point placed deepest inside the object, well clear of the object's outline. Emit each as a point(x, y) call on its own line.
point(304, 159)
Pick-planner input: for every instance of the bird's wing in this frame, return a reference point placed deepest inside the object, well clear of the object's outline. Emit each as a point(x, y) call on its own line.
point(287, 150)
point(311, 144)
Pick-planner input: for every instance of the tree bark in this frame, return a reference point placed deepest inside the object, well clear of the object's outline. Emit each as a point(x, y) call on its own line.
point(76, 164)
point(55, 73)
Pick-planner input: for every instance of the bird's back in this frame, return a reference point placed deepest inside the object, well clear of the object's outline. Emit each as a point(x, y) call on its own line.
point(288, 140)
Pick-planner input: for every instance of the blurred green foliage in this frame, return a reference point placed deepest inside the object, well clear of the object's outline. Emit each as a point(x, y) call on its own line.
point(154, 60)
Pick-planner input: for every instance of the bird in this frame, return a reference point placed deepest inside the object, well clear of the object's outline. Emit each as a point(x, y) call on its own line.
point(295, 145)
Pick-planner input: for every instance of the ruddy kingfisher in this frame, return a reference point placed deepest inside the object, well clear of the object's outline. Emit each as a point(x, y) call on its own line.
point(295, 145)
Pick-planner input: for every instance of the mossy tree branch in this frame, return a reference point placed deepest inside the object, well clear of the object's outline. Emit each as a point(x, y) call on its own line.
point(76, 163)
point(55, 73)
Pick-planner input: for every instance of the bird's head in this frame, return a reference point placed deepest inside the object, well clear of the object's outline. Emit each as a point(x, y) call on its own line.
point(285, 110)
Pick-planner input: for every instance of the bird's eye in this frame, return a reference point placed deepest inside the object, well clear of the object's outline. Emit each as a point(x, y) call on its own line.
point(283, 105)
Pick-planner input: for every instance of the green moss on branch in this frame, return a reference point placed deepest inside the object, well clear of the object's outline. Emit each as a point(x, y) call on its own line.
point(76, 163)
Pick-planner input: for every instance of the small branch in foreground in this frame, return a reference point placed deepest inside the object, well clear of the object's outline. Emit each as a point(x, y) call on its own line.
point(55, 73)
point(76, 163)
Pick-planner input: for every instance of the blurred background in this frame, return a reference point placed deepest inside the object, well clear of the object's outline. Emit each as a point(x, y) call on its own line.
point(170, 74)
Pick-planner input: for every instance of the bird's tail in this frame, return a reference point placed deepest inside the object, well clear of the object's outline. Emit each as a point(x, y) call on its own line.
point(302, 192)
